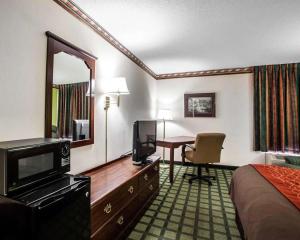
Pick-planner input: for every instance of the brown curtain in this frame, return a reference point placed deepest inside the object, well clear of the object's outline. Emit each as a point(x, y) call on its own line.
point(277, 107)
point(73, 104)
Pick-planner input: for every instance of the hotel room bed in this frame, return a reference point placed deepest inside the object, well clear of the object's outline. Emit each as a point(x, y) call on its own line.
point(263, 213)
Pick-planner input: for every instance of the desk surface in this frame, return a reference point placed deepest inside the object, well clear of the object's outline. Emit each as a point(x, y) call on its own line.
point(172, 143)
point(179, 140)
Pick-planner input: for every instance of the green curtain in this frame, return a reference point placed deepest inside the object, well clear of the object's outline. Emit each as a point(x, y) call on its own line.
point(277, 107)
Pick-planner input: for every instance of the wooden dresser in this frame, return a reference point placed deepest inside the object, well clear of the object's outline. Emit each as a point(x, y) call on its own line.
point(120, 194)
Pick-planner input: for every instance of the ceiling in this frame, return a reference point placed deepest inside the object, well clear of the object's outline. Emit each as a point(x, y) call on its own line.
point(171, 36)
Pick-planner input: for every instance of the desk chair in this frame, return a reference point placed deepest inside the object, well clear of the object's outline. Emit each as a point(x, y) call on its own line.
point(207, 149)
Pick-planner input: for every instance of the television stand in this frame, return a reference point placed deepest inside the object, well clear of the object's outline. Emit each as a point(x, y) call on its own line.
point(120, 194)
point(153, 158)
point(149, 160)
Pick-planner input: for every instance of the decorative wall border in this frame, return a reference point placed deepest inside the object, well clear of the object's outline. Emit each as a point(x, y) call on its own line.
point(76, 11)
point(225, 71)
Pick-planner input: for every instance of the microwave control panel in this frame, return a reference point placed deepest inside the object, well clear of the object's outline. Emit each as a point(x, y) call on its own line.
point(65, 154)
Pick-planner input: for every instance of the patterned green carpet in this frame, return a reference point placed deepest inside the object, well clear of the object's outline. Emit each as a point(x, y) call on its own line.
point(182, 211)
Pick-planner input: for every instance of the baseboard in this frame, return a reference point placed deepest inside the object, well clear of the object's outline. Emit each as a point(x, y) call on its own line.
point(219, 166)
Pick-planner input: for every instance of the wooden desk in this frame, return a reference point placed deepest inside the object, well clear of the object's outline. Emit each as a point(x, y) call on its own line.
point(172, 143)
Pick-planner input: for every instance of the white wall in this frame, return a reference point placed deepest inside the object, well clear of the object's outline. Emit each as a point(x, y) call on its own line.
point(22, 89)
point(234, 113)
point(23, 45)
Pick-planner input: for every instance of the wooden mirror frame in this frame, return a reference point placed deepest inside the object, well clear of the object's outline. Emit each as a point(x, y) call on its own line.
point(56, 45)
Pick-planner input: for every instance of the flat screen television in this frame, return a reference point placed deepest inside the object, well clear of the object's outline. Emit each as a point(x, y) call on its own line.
point(144, 141)
point(81, 129)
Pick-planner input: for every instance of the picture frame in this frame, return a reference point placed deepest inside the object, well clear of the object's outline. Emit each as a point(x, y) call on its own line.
point(199, 105)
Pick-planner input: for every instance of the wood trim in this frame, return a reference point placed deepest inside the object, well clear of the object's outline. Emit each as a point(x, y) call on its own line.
point(77, 12)
point(49, 83)
point(59, 39)
point(55, 45)
point(214, 72)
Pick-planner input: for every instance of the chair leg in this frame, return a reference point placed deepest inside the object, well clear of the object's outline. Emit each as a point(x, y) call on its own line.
point(201, 179)
point(206, 168)
point(199, 171)
point(199, 175)
point(183, 154)
point(188, 174)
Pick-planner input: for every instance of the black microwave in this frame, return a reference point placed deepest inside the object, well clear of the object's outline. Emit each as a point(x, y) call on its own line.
point(26, 163)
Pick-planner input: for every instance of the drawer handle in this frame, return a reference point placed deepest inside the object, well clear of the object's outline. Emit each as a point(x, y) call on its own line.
point(146, 177)
point(131, 189)
point(120, 220)
point(151, 187)
point(155, 168)
point(107, 208)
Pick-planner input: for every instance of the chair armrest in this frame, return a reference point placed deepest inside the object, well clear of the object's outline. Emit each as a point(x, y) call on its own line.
point(183, 151)
point(191, 147)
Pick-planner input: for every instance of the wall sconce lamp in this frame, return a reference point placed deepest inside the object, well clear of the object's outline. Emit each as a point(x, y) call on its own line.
point(117, 86)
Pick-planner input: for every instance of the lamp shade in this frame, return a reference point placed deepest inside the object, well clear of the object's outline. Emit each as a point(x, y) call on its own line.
point(117, 86)
point(165, 114)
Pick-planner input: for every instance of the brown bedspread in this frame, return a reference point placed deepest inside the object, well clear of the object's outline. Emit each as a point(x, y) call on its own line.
point(265, 213)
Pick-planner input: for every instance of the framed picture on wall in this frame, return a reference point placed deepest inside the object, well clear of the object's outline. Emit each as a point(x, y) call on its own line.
point(199, 105)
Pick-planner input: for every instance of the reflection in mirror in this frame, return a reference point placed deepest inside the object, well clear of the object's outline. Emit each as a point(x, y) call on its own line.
point(70, 98)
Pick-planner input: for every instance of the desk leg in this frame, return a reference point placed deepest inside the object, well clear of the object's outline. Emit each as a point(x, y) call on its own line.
point(171, 174)
point(183, 154)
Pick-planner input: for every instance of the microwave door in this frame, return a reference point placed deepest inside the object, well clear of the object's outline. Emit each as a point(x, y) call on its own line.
point(68, 211)
point(25, 168)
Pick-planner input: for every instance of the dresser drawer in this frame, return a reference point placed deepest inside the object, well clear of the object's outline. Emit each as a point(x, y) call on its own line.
point(148, 190)
point(113, 228)
point(112, 203)
point(148, 174)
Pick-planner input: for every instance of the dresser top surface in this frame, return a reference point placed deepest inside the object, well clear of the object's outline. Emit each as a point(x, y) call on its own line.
point(106, 179)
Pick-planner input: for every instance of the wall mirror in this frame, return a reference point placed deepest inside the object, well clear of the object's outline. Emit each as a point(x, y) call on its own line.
point(69, 94)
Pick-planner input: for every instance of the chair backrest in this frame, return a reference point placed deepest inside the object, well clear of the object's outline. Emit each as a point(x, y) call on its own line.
point(208, 147)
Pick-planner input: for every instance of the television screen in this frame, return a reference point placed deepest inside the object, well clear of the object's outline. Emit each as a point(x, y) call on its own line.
point(81, 129)
point(144, 140)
